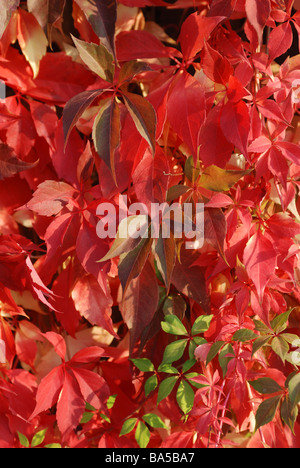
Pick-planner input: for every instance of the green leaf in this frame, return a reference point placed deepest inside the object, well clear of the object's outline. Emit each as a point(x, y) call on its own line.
point(150, 384)
point(142, 435)
point(279, 323)
point(288, 413)
point(165, 254)
point(168, 369)
point(191, 376)
point(225, 356)
point(198, 340)
point(132, 68)
point(74, 109)
point(166, 387)
point(124, 242)
point(214, 351)
point(38, 438)
point(265, 385)
point(262, 327)
point(190, 171)
point(244, 335)
point(185, 397)
point(289, 337)
point(174, 305)
point(111, 401)
point(154, 421)
point(266, 411)
point(128, 426)
point(143, 364)
point(132, 263)
point(106, 418)
point(143, 115)
point(201, 324)
point(259, 343)
point(188, 365)
point(173, 325)
point(106, 133)
point(294, 389)
point(280, 347)
point(86, 417)
point(53, 446)
point(174, 351)
point(177, 191)
point(23, 440)
point(97, 58)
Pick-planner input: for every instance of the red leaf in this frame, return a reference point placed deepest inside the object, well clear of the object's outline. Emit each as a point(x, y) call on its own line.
point(10, 164)
point(278, 165)
point(235, 124)
point(291, 151)
point(215, 149)
point(215, 66)
point(93, 388)
point(215, 228)
point(189, 279)
point(90, 249)
point(186, 110)
point(139, 303)
point(70, 405)
point(195, 31)
point(48, 391)
point(150, 179)
point(143, 115)
point(258, 12)
point(91, 354)
point(93, 304)
point(75, 107)
point(132, 45)
point(271, 110)
point(280, 40)
point(50, 198)
point(58, 342)
point(260, 261)
point(102, 15)
point(66, 314)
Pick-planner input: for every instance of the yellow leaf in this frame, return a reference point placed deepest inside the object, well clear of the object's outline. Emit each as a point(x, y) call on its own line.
point(32, 40)
point(220, 180)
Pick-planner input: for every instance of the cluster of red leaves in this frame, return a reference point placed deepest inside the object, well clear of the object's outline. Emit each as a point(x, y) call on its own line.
point(104, 98)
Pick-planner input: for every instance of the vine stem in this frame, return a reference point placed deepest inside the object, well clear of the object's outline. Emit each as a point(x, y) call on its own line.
point(222, 416)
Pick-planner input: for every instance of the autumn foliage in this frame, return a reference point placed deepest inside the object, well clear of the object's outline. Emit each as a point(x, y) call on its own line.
point(141, 342)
